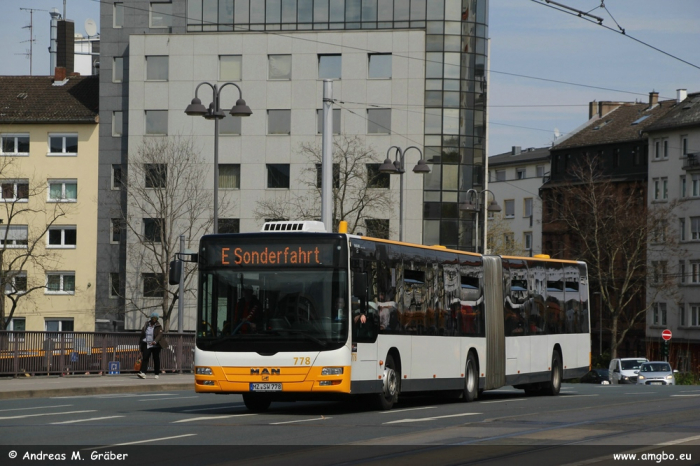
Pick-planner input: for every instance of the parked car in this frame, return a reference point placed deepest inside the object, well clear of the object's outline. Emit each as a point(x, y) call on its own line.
point(597, 376)
point(624, 370)
point(656, 373)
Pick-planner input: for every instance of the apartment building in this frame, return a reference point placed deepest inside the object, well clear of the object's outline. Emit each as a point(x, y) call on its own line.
point(405, 73)
point(48, 211)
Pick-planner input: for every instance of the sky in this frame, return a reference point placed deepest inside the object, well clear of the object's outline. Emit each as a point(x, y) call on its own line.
point(527, 39)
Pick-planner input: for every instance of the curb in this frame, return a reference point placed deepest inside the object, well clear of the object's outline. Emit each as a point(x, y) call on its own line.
point(85, 391)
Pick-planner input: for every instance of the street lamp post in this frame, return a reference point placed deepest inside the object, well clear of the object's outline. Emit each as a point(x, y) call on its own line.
point(215, 113)
point(472, 205)
point(397, 167)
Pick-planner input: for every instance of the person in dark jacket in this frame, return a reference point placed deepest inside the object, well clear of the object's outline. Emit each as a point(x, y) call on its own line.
point(152, 341)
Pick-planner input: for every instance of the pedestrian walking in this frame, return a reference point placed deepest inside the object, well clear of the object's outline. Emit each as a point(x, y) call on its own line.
point(152, 341)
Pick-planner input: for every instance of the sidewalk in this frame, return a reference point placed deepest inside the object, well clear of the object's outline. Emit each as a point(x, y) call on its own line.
point(81, 385)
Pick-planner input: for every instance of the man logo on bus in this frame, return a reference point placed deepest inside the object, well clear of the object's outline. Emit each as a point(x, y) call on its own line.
point(265, 371)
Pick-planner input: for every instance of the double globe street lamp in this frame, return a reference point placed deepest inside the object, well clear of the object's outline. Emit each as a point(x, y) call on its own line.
point(397, 167)
point(472, 204)
point(215, 113)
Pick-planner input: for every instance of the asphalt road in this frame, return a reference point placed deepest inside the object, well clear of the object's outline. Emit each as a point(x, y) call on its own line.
point(586, 419)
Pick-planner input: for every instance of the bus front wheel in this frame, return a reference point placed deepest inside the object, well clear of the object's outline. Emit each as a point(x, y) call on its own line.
point(256, 402)
point(390, 391)
point(471, 379)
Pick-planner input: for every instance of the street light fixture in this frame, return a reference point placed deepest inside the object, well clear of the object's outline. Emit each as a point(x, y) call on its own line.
point(472, 204)
point(397, 167)
point(215, 113)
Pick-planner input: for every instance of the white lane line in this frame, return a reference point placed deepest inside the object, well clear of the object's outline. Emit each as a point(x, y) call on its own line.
point(687, 395)
point(300, 420)
point(682, 440)
point(139, 441)
point(211, 409)
point(574, 396)
point(430, 418)
point(46, 414)
point(208, 418)
point(114, 396)
point(648, 393)
point(407, 409)
point(503, 401)
point(35, 407)
point(86, 420)
point(178, 398)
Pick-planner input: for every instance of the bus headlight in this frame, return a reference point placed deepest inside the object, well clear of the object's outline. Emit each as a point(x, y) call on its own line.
point(332, 371)
point(204, 371)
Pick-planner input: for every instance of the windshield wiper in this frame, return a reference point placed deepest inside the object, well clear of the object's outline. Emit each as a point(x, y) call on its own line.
point(299, 332)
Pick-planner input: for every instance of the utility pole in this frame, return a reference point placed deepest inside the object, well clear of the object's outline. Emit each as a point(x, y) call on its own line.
point(327, 157)
point(31, 35)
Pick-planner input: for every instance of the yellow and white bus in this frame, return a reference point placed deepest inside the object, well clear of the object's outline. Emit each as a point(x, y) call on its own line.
point(293, 312)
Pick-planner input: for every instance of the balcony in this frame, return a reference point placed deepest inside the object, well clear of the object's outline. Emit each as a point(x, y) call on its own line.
point(692, 162)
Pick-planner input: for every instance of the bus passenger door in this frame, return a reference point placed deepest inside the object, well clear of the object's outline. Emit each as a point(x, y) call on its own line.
point(364, 334)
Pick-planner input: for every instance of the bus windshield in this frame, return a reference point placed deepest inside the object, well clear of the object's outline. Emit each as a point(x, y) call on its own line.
point(268, 311)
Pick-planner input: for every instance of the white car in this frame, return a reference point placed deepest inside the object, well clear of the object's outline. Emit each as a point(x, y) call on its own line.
point(656, 373)
point(624, 370)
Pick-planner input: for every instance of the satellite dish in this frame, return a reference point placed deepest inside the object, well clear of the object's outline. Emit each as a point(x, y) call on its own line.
point(90, 27)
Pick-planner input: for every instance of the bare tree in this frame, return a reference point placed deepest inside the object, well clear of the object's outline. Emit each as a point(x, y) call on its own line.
point(27, 216)
point(501, 239)
point(610, 227)
point(357, 195)
point(168, 195)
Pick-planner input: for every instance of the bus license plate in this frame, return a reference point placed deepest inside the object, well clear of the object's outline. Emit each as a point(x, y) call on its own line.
point(265, 387)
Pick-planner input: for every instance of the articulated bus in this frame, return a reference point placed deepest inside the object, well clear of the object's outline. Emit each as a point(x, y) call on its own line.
point(296, 313)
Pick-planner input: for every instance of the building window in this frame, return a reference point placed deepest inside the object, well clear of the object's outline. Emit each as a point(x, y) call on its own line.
point(377, 228)
point(375, 178)
point(660, 189)
point(520, 173)
point(157, 68)
point(527, 240)
point(116, 176)
point(18, 324)
point(696, 186)
point(540, 171)
point(694, 227)
point(229, 225)
point(665, 148)
point(683, 186)
point(118, 70)
point(336, 176)
point(60, 283)
point(379, 121)
point(510, 208)
point(15, 283)
point(657, 149)
point(161, 15)
point(509, 239)
point(152, 230)
point(616, 158)
point(15, 190)
point(527, 207)
point(681, 314)
point(231, 125)
point(684, 146)
point(114, 285)
point(500, 175)
point(279, 121)
point(58, 325)
point(379, 66)
point(681, 271)
point(157, 122)
point(659, 271)
point(230, 67)
point(279, 67)
point(115, 230)
point(14, 144)
point(695, 315)
point(681, 228)
point(63, 191)
point(230, 176)
point(156, 175)
point(278, 175)
point(118, 15)
point(329, 66)
point(152, 285)
point(117, 122)
point(336, 121)
point(63, 144)
point(14, 236)
point(62, 237)
point(695, 272)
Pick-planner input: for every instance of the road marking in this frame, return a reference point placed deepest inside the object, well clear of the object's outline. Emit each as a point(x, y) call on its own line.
point(639, 450)
point(46, 414)
point(683, 440)
point(504, 401)
point(651, 393)
point(124, 395)
point(431, 418)
point(574, 396)
point(208, 418)
point(138, 441)
point(300, 420)
point(178, 398)
point(86, 420)
point(407, 409)
point(687, 395)
point(211, 409)
point(35, 407)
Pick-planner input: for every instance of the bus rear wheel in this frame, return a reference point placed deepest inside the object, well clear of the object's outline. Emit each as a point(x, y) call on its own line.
point(471, 379)
point(390, 392)
point(256, 402)
point(554, 385)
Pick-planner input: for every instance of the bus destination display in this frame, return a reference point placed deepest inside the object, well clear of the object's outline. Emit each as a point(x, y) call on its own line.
point(272, 255)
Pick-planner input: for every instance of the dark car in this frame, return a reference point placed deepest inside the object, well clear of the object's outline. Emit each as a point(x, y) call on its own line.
point(597, 376)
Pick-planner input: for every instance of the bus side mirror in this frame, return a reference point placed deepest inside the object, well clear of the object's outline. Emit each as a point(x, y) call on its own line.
point(175, 272)
point(359, 284)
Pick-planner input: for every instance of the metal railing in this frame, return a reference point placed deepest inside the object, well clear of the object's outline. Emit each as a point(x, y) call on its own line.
point(37, 353)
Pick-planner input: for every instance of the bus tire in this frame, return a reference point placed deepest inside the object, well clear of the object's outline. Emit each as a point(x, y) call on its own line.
point(256, 403)
point(390, 392)
point(471, 379)
point(554, 385)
